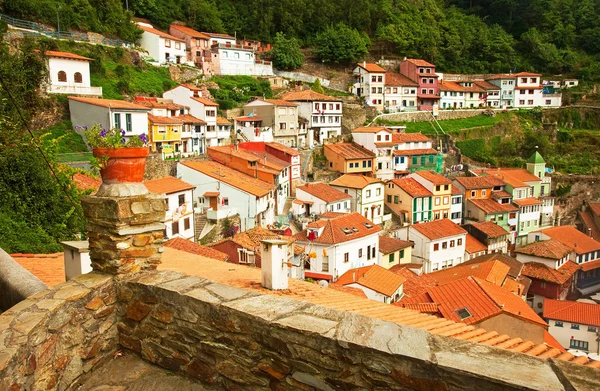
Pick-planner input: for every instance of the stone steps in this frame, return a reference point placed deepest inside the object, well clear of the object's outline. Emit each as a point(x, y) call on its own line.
point(200, 222)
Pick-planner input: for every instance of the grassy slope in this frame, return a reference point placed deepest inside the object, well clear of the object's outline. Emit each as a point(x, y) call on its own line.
point(450, 126)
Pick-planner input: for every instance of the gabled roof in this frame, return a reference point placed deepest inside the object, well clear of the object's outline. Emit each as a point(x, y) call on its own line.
point(491, 206)
point(307, 96)
point(370, 67)
point(205, 102)
point(397, 79)
point(109, 103)
point(218, 35)
point(419, 62)
point(527, 202)
point(343, 229)
point(399, 138)
point(516, 177)
point(167, 185)
point(354, 181)
point(155, 104)
point(323, 192)
point(164, 120)
point(415, 152)
point(412, 187)
point(67, 55)
point(161, 34)
point(472, 245)
point(373, 277)
point(526, 74)
point(485, 85)
point(187, 118)
point(222, 121)
point(572, 238)
point(370, 129)
point(479, 182)
point(489, 228)
point(189, 31)
point(276, 102)
point(415, 286)
point(433, 177)
point(188, 246)
point(551, 249)
point(439, 229)
point(514, 264)
point(349, 151)
point(491, 271)
point(250, 239)
point(388, 245)
point(232, 177)
point(445, 85)
point(283, 148)
point(541, 271)
point(572, 311)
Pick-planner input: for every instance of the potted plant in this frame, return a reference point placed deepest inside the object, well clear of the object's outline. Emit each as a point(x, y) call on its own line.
point(120, 159)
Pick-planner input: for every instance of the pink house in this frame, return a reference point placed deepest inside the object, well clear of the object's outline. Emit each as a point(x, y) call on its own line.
point(196, 43)
point(423, 73)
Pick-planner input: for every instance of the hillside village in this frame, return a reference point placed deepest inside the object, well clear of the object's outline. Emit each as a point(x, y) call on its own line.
point(280, 197)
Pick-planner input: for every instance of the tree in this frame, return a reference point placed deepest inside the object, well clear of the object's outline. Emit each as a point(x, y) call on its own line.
point(316, 87)
point(286, 53)
point(341, 44)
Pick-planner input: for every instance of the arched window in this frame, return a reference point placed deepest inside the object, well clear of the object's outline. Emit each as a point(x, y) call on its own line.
point(62, 76)
point(78, 77)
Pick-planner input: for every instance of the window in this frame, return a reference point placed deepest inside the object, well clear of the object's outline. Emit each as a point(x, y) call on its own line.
point(373, 252)
point(225, 201)
point(444, 245)
point(577, 344)
point(186, 223)
point(166, 204)
point(364, 163)
point(574, 326)
point(62, 76)
point(389, 198)
point(175, 227)
point(360, 252)
point(592, 329)
point(181, 199)
point(167, 43)
point(378, 191)
point(117, 118)
point(177, 45)
point(346, 257)
point(368, 193)
point(392, 257)
point(373, 79)
point(395, 199)
point(463, 313)
point(452, 243)
point(128, 125)
point(401, 254)
point(436, 246)
point(558, 324)
point(78, 78)
point(282, 125)
point(370, 163)
point(459, 242)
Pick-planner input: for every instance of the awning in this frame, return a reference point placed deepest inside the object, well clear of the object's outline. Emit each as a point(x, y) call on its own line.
point(318, 276)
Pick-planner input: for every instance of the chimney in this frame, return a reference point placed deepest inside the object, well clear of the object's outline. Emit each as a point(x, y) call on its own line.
point(274, 264)
point(76, 258)
point(125, 228)
point(364, 64)
point(590, 232)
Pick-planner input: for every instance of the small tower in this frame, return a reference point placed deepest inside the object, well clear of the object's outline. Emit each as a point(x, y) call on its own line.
point(274, 264)
point(536, 164)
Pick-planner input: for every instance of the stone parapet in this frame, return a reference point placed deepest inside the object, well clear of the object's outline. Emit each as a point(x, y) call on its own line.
point(125, 232)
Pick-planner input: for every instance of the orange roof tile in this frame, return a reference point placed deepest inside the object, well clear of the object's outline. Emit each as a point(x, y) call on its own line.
point(223, 121)
point(370, 129)
point(218, 35)
point(279, 102)
point(424, 308)
point(373, 277)
point(109, 103)
point(370, 67)
point(354, 181)
point(410, 138)
point(86, 182)
point(551, 341)
point(500, 194)
point(491, 271)
point(283, 148)
point(49, 268)
point(587, 266)
point(491, 206)
point(300, 202)
point(571, 237)
point(164, 120)
point(445, 85)
point(543, 272)
point(331, 215)
point(194, 248)
point(486, 85)
point(159, 33)
point(595, 207)
point(419, 62)
point(551, 249)
point(397, 79)
point(68, 55)
point(205, 101)
point(489, 228)
point(572, 311)
point(439, 229)
point(527, 202)
point(190, 31)
point(155, 104)
point(186, 118)
point(514, 264)
point(516, 177)
point(415, 286)
point(349, 151)
point(479, 182)
point(588, 223)
point(251, 238)
point(307, 95)
point(232, 177)
point(412, 187)
point(388, 245)
point(415, 152)
point(472, 245)
point(323, 192)
point(520, 74)
point(434, 177)
point(340, 229)
point(167, 185)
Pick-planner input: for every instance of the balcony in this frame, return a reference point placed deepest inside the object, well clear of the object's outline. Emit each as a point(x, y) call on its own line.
point(77, 90)
point(221, 213)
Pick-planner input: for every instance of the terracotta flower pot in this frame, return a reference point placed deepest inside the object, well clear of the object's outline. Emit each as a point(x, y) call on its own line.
point(123, 165)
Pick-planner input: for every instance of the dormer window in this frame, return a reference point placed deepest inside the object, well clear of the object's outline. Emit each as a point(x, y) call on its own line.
point(463, 313)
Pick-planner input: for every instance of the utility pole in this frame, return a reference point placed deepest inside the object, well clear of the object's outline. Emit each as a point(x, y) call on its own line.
point(58, 19)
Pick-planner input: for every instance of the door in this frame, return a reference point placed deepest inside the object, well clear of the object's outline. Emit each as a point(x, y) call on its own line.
point(213, 203)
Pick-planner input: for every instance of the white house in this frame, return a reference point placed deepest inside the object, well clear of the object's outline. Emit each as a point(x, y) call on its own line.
point(324, 198)
point(69, 73)
point(233, 59)
point(250, 128)
point(339, 244)
point(408, 147)
point(507, 84)
point(179, 198)
point(574, 325)
point(162, 47)
point(323, 113)
point(109, 114)
point(282, 116)
point(376, 282)
point(400, 93)
point(367, 195)
point(370, 84)
point(528, 89)
point(438, 244)
point(378, 140)
point(223, 192)
point(456, 206)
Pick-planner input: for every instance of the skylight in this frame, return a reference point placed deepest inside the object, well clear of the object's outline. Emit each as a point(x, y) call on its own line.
point(463, 313)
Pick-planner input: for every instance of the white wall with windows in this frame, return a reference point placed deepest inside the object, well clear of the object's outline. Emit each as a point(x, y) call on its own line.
point(575, 335)
point(439, 253)
point(179, 216)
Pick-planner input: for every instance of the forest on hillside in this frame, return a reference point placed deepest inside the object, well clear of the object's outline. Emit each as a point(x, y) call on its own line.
point(553, 36)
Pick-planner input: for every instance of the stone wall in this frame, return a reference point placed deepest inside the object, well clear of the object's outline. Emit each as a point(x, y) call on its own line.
point(422, 116)
point(158, 168)
point(56, 335)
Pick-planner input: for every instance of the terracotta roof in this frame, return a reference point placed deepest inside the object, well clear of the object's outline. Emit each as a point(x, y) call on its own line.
point(397, 79)
point(232, 177)
point(211, 194)
point(159, 33)
point(491, 229)
point(155, 104)
point(249, 278)
point(279, 102)
point(331, 215)
point(413, 152)
point(520, 74)
point(486, 85)
point(527, 201)
point(588, 223)
point(251, 238)
point(167, 185)
point(350, 151)
point(388, 245)
point(571, 237)
point(68, 55)
point(283, 148)
point(516, 177)
point(587, 266)
point(572, 311)
point(300, 202)
point(439, 229)
point(420, 63)
point(194, 248)
point(424, 308)
point(433, 177)
point(223, 121)
point(247, 119)
point(499, 194)
point(456, 191)
point(412, 187)
point(373, 277)
point(266, 159)
point(308, 95)
point(479, 182)
point(543, 272)
point(551, 341)
point(514, 265)
point(595, 207)
point(472, 245)
point(205, 102)
point(164, 120)
point(370, 67)
point(317, 224)
point(501, 76)
point(86, 182)
point(551, 249)
point(370, 129)
point(334, 230)
point(190, 31)
point(491, 206)
point(186, 118)
point(409, 138)
point(218, 35)
point(109, 103)
point(415, 286)
point(445, 85)
point(428, 96)
point(49, 268)
point(491, 271)
point(354, 181)
point(323, 192)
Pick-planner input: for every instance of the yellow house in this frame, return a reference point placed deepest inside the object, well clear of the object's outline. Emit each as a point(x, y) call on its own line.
point(349, 158)
point(165, 134)
point(441, 188)
point(394, 252)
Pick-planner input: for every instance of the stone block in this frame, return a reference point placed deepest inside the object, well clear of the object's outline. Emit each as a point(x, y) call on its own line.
point(142, 240)
point(49, 305)
point(267, 307)
point(579, 377)
point(202, 371)
point(27, 321)
point(95, 303)
point(312, 381)
point(71, 292)
point(130, 343)
point(137, 310)
point(201, 294)
point(162, 314)
point(308, 323)
point(5, 357)
point(183, 285)
point(231, 370)
point(225, 292)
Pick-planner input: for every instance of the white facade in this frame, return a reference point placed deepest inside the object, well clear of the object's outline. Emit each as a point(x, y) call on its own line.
point(370, 86)
point(456, 208)
point(507, 90)
point(439, 253)
point(571, 335)
point(248, 130)
point(235, 60)
point(70, 76)
point(162, 47)
point(528, 90)
point(179, 215)
point(324, 118)
point(320, 206)
point(380, 143)
point(252, 210)
point(400, 98)
point(368, 201)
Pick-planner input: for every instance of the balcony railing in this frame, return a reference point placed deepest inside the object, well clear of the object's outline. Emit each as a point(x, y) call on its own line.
point(221, 213)
point(77, 90)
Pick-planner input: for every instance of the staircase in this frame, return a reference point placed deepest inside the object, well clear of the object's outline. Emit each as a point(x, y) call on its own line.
point(200, 222)
point(288, 205)
point(243, 136)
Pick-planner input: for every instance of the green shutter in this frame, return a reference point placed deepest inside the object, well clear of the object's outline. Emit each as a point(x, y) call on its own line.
point(392, 258)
